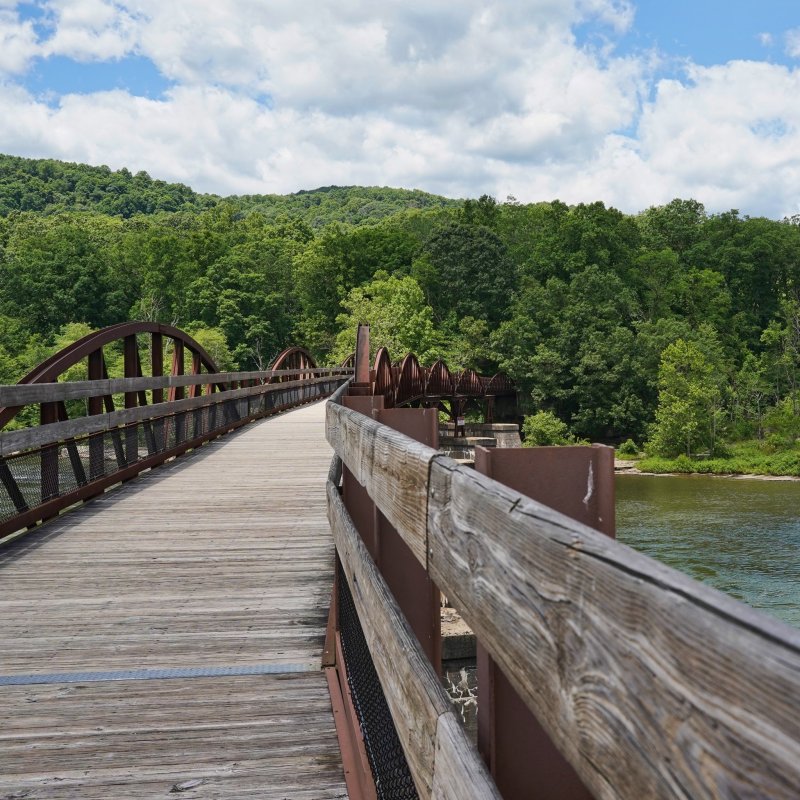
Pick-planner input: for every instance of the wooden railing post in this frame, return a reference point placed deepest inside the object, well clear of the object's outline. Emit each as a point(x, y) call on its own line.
point(578, 482)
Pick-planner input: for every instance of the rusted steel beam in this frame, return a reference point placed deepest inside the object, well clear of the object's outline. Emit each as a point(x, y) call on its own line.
point(578, 482)
point(72, 450)
point(48, 413)
point(116, 436)
point(362, 354)
point(383, 380)
point(157, 364)
point(177, 392)
point(12, 487)
point(95, 407)
point(130, 363)
point(149, 436)
point(408, 579)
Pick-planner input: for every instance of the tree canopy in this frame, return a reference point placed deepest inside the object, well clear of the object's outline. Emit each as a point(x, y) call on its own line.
point(597, 315)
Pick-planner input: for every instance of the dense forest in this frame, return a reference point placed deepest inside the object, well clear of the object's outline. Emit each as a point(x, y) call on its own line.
point(672, 325)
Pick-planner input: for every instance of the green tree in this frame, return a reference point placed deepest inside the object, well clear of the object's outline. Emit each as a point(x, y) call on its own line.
point(215, 344)
point(398, 316)
point(678, 225)
point(688, 411)
point(464, 270)
point(468, 347)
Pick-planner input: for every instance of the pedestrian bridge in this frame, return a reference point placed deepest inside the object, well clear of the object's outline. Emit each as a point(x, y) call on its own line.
point(236, 594)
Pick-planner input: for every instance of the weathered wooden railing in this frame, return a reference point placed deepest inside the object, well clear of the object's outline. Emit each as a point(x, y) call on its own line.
point(48, 467)
point(650, 684)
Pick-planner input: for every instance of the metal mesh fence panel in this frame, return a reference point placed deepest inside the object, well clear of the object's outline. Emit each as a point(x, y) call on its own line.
point(390, 771)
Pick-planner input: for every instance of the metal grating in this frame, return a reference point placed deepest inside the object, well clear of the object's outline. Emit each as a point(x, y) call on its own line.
point(390, 770)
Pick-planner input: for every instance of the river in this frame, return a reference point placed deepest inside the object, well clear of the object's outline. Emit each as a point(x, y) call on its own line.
point(738, 535)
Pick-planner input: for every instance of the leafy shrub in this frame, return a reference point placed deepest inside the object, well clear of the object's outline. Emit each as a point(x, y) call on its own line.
point(628, 448)
point(545, 428)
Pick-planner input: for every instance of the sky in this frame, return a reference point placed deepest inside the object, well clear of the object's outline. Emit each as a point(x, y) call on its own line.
point(630, 102)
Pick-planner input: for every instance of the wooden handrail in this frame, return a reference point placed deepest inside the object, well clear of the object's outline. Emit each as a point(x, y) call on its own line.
point(74, 460)
point(26, 394)
point(26, 438)
point(651, 684)
point(382, 460)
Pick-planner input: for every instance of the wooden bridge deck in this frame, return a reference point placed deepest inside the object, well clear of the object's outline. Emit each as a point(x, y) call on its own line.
point(170, 633)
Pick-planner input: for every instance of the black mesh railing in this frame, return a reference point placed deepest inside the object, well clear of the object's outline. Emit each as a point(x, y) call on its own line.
point(390, 770)
point(68, 469)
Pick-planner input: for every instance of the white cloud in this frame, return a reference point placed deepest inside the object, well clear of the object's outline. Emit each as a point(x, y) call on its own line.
point(793, 43)
point(18, 43)
point(90, 30)
point(458, 98)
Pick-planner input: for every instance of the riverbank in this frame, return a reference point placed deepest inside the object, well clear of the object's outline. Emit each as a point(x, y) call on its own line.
point(623, 467)
point(747, 463)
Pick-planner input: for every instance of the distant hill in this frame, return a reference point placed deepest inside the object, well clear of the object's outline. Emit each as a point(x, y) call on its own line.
point(49, 186)
point(352, 204)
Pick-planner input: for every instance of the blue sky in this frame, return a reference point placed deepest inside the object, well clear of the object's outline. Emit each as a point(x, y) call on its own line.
point(632, 103)
point(58, 75)
point(713, 32)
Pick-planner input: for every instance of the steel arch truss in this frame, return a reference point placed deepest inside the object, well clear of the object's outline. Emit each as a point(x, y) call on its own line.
point(408, 383)
point(91, 434)
point(162, 339)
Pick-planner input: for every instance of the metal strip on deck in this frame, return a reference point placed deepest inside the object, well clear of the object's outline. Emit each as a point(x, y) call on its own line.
point(150, 674)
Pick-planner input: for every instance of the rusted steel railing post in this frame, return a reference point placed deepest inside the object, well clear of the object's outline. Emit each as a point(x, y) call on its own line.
point(131, 360)
point(95, 406)
point(578, 482)
point(48, 413)
point(177, 392)
point(412, 587)
point(362, 354)
point(157, 396)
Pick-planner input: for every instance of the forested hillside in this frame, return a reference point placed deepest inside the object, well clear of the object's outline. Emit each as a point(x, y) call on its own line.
point(612, 322)
point(51, 187)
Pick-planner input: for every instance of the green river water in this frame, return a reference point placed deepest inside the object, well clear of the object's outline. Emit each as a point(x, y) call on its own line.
point(740, 536)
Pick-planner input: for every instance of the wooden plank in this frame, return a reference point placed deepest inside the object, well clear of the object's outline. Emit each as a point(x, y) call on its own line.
point(651, 684)
point(266, 736)
point(25, 394)
point(27, 438)
point(412, 689)
point(392, 467)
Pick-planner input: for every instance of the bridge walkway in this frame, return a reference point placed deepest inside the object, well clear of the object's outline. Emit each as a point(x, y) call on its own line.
point(165, 639)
